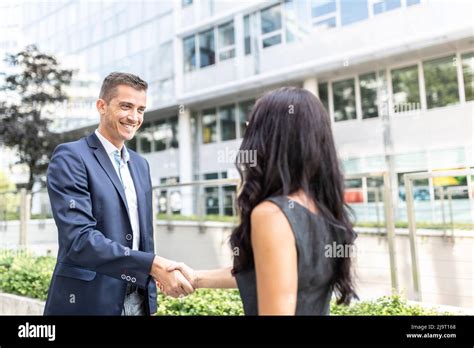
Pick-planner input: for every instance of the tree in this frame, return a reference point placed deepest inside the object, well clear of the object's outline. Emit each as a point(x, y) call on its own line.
point(38, 83)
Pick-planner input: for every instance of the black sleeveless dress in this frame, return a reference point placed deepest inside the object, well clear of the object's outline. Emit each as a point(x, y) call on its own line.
point(315, 271)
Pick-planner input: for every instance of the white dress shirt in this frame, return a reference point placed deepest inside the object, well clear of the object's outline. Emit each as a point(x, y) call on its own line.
point(129, 187)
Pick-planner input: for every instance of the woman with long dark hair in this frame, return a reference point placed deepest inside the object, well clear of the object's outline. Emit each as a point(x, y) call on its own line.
point(292, 213)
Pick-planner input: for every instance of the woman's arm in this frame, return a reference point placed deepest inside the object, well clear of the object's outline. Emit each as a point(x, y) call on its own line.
point(275, 255)
point(276, 267)
point(215, 278)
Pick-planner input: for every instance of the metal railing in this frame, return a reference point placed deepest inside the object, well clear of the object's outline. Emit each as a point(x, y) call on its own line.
point(408, 179)
point(386, 197)
point(389, 221)
point(196, 199)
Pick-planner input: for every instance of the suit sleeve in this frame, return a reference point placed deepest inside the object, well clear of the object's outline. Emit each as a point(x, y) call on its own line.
point(72, 210)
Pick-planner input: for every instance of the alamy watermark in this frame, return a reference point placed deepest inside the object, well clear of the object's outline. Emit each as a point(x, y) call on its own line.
point(37, 331)
point(237, 156)
point(336, 250)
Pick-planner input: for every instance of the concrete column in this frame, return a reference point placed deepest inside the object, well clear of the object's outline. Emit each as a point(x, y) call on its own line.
point(311, 84)
point(239, 44)
point(185, 159)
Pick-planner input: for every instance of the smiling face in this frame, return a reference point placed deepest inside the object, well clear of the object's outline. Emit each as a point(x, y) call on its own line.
point(122, 116)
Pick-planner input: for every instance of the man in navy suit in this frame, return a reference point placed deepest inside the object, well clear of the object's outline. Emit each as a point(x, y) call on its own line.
point(101, 197)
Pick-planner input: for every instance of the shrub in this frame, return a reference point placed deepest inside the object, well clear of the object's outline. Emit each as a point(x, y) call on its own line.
point(386, 305)
point(202, 302)
point(28, 275)
point(25, 274)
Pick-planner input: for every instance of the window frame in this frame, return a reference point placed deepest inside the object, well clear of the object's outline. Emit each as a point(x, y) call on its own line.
point(387, 71)
point(336, 14)
point(227, 48)
point(279, 32)
point(198, 47)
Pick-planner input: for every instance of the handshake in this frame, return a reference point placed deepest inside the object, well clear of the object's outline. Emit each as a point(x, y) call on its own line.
point(173, 278)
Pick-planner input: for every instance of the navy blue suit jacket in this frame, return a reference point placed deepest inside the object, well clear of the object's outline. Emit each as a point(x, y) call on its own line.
point(95, 258)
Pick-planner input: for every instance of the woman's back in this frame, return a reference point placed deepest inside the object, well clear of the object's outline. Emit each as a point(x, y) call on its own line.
point(315, 271)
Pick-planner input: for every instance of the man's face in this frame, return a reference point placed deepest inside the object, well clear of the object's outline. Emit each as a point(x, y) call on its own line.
point(123, 115)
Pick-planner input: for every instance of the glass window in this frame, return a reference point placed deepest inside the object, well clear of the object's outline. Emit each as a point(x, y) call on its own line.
point(368, 95)
point(291, 20)
point(323, 13)
point(189, 48)
point(353, 183)
point(354, 11)
point(322, 7)
point(211, 176)
point(165, 57)
point(247, 36)
point(165, 91)
point(245, 109)
point(353, 192)
point(326, 23)
point(271, 41)
point(174, 196)
point(323, 95)
point(271, 19)
point(185, 3)
point(271, 25)
point(441, 82)
point(227, 122)
point(161, 134)
point(375, 189)
point(405, 88)
point(344, 100)
point(412, 2)
point(165, 134)
point(174, 142)
point(230, 193)
point(211, 196)
point(421, 189)
point(226, 41)
point(386, 5)
point(207, 53)
point(145, 142)
point(468, 74)
point(209, 126)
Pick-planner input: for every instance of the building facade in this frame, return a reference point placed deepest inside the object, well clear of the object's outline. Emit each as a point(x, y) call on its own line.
point(396, 77)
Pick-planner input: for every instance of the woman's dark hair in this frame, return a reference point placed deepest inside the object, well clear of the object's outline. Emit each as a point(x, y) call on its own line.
point(290, 133)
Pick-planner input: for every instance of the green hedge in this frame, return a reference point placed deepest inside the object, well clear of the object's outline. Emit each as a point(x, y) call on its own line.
point(28, 275)
point(24, 274)
point(202, 302)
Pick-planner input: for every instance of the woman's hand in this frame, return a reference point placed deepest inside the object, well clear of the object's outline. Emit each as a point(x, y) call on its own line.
point(190, 274)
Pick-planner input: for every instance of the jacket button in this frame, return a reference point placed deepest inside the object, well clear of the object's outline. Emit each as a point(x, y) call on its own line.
point(123, 276)
point(128, 237)
point(128, 278)
point(134, 279)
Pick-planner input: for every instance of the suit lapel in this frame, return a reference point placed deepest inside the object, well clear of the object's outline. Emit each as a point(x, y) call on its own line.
point(108, 167)
point(140, 201)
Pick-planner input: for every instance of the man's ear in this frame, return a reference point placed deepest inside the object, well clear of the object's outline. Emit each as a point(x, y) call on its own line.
point(101, 106)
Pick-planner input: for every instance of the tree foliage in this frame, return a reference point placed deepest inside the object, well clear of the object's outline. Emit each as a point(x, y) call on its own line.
point(37, 81)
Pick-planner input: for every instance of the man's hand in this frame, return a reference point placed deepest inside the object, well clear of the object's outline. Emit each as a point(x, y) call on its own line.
point(190, 274)
point(170, 283)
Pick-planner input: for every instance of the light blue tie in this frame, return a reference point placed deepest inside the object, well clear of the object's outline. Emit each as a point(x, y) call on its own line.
point(118, 161)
